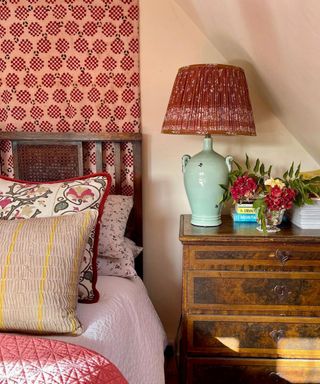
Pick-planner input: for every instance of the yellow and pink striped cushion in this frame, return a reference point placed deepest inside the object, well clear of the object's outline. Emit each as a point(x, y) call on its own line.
point(39, 270)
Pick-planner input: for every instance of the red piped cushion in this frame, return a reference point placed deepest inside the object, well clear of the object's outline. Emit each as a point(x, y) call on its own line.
point(29, 360)
point(23, 200)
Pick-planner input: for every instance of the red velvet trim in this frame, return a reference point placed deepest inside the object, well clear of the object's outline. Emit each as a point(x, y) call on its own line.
point(97, 229)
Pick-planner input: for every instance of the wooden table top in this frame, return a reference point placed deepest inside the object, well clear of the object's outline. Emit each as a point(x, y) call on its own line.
point(229, 230)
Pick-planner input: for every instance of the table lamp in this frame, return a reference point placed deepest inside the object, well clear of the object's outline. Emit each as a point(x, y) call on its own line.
point(208, 99)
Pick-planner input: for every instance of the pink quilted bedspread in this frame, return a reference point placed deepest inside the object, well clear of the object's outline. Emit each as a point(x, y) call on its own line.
point(27, 359)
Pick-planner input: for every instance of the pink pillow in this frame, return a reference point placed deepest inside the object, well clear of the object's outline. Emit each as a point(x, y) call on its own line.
point(122, 267)
point(23, 200)
point(113, 226)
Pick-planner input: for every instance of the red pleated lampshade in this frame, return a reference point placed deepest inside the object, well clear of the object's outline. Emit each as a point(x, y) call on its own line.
point(210, 99)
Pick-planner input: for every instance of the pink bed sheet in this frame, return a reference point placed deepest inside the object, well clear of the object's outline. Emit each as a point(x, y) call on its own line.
point(27, 359)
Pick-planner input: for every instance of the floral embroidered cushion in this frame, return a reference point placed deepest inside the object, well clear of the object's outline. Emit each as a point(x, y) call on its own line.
point(40, 261)
point(23, 200)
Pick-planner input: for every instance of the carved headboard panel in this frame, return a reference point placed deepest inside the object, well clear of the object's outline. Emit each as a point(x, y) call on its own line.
point(54, 156)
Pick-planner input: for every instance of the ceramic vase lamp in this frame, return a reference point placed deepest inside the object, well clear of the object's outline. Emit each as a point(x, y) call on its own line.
point(208, 99)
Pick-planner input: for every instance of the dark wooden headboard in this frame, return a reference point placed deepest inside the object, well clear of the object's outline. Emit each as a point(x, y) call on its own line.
point(53, 156)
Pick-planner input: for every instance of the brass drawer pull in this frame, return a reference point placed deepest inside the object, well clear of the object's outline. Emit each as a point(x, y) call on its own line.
point(281, 291)
point(283, 256)
point(275, 377)
point(276, 335)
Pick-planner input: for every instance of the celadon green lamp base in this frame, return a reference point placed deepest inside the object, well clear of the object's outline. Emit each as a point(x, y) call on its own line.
point(203, 174)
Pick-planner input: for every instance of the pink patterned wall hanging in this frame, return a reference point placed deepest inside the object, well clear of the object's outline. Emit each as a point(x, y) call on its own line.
point(69, 66)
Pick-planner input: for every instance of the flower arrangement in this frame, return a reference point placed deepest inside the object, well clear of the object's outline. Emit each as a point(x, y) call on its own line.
point(270, 196)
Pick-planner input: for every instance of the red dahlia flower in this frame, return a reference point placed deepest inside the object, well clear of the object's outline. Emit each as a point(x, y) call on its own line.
point(278, 198)
point(243, 188)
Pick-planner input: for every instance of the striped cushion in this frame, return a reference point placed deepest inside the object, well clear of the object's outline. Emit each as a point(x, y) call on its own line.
point(39, 271)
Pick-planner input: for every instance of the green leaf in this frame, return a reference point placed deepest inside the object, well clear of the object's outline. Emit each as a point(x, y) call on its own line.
point(262, 169)
point(261, 214)
point(308, 201)
point(285, 175)
point(258, 203)
point(315, 190)
point(224, 187)
point(315, 179)
point(291, 170)
point(256, 166)
point(247, 162)
point(237, 165)
point(298, 170)
point(269, 171)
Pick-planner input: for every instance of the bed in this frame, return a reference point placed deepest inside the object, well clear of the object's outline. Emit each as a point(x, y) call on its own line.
point(122, 325)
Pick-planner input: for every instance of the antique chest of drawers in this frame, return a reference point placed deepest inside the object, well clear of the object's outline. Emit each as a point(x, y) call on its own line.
point(250, 304)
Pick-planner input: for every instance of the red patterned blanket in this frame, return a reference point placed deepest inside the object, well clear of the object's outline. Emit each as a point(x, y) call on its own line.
point(27, 359)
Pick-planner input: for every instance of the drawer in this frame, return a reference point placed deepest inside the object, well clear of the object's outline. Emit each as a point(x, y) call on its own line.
point(254, 336)
point(266, 257)
point(253, 292)
point(252, 371)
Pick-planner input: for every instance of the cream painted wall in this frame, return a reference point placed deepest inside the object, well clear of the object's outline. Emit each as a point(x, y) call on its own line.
point(281, 37)
point(169, 40)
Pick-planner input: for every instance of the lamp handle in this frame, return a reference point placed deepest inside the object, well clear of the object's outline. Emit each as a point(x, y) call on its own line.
point(185, 160)
point(229, 160)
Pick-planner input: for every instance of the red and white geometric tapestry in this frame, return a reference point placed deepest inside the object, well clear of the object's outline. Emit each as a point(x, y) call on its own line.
point(69, 66)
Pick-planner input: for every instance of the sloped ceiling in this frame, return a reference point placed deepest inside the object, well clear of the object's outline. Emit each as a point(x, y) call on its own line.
point(277, 42)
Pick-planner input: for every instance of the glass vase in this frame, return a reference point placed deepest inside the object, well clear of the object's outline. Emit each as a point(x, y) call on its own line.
point(273, 219)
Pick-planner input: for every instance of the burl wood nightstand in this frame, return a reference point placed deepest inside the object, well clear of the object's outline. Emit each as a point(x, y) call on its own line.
point(251, 304)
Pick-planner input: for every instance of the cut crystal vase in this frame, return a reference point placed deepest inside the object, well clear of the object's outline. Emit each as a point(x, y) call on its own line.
point(273, 219)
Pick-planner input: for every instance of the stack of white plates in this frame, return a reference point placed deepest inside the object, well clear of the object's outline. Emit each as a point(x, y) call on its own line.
point(307, 216)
